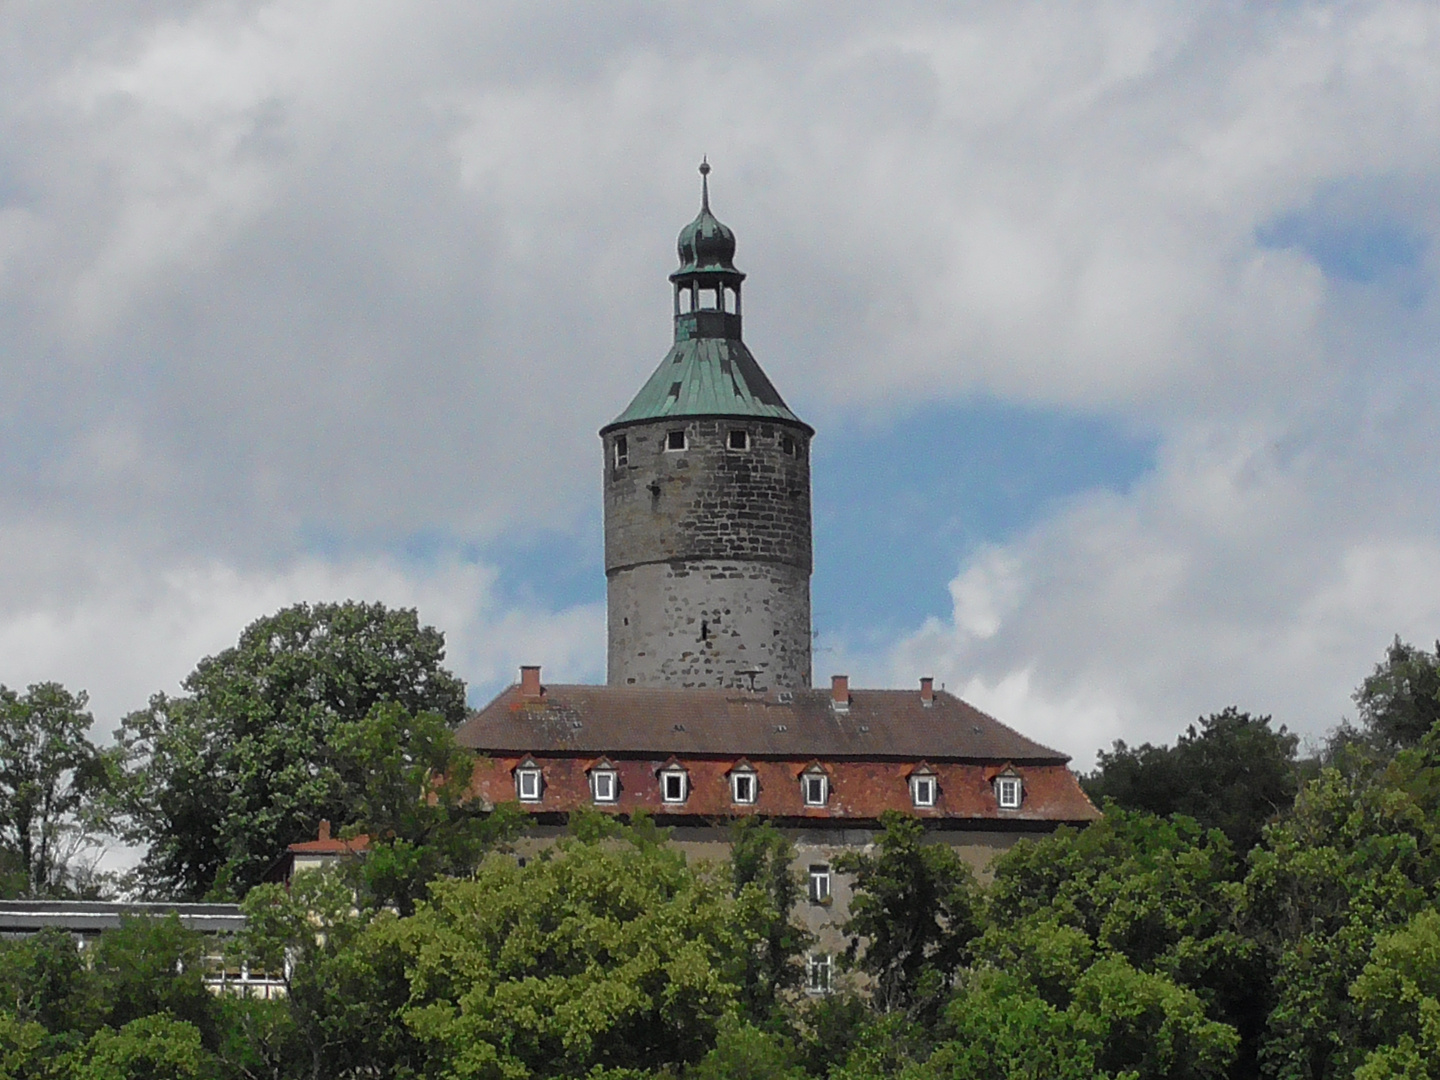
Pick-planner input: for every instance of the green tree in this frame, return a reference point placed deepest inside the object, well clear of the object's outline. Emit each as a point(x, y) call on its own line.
point(44, 980)
point(155, 1047)
point(766, 886)
point(915, 911)
point(150, 966)
point(1400, 701)
point(1398, 993)
point(1357, 859)
point(52, 780)
point(1234, 773)
point(598, 955)
point(223, 778)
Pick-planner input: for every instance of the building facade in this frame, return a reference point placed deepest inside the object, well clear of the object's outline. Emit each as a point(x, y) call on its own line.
point(708, 713)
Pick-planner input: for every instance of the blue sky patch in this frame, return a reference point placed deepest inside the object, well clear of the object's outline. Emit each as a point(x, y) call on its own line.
point(1367, 250)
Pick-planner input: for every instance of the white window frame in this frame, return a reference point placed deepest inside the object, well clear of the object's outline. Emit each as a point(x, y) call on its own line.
point(824, 781)
point(819, 972)
point(612, 781)
point(622, 451)
point(730, 440)
point(820, 883)
point(674, 774)
point(748, 778)
point(924, 782)
point(684, 442)
point(537, 782)
point(1009, 792)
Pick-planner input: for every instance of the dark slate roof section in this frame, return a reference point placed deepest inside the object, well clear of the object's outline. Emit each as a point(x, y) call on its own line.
point(707, 376)
point(23, 917)
point(879, 724)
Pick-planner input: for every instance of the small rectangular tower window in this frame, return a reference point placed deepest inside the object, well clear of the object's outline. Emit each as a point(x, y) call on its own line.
point(739, 440)
point(820, 883)
point(787, 445)
point(675, 440)
point(622, 451)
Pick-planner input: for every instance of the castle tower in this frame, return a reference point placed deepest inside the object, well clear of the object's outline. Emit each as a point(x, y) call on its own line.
point(707, 500)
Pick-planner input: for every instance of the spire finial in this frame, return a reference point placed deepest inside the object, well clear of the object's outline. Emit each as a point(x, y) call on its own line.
point(705, 183)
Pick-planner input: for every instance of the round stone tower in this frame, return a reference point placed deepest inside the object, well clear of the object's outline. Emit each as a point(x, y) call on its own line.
point(707, 500)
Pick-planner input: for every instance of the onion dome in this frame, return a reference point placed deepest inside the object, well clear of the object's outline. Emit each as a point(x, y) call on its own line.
point(705, 244)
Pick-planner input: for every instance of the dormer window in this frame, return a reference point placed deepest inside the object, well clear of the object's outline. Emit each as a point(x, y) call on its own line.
point(675, 440)
point(739, 440)
point(744, 787)
point(622, 451)
point(815, 786)
point(1008, 792)
point(674, 785)
point(922, 789)
point(604, 783)
point(529, 783)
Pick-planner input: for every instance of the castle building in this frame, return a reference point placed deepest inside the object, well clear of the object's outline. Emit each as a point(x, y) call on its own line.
point(708, 713)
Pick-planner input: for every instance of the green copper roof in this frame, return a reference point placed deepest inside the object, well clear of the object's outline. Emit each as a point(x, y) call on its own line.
point(707, 376)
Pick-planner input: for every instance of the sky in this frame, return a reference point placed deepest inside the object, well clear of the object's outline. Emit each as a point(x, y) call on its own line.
point(1116, 321)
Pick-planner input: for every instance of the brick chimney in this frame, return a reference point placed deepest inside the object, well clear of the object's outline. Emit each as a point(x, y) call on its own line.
point(927, 691)
point(840, 692)
point(324, 829)
point(530, 682)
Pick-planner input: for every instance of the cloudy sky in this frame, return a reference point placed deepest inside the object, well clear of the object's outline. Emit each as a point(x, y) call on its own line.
point(1117, 321)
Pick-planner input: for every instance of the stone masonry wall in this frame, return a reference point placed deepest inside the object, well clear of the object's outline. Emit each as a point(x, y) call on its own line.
point(708, 555)
point(698, 624)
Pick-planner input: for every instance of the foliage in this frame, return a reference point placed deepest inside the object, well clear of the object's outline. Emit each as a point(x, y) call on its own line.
point(1398, 993)
point(257, 751)
point(1400, 701)
point(1234, 773)
point(156, 1047)
point(1358, 858)
point(52, 786)
point(745, 1052)
point(767, 889)
point(916, 906)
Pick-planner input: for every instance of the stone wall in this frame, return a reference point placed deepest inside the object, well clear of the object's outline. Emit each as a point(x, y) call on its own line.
point(708, 555)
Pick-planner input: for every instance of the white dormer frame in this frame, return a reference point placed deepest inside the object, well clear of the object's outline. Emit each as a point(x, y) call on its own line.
point(674, 785)
point(1009, 790)
point(815, 786)
point(529, 781)
point(604, 783)
point(924, 788)
point(744, 785)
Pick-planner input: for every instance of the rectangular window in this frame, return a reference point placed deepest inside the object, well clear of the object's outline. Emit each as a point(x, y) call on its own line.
point(622, 451)
point(675, 440)
point(743, 787)
point(709, 299)
point(528, 781)
point(739, 440)
point(923, 788)
point(1007, 790)
point(819, 883)
point(787, 445)
point(815, 790)
point(818, 971)
point(604, 786)
point(672, 787)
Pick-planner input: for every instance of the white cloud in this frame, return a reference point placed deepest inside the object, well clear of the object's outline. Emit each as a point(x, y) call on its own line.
point(299, 275)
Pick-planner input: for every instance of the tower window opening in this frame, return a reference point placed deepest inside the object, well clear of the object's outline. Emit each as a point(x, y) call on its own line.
point(675, 440)
point(622, 451)
point(704, 630)
point(739, 440)
point(683, 301)
point(708, 301)
point(730, 301)
point(787, 445)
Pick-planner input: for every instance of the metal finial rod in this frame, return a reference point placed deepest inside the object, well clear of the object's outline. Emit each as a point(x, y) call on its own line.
point(705, 183)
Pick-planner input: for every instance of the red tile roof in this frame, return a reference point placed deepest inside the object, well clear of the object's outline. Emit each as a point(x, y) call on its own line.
point(598, 720)
point(869, 751)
